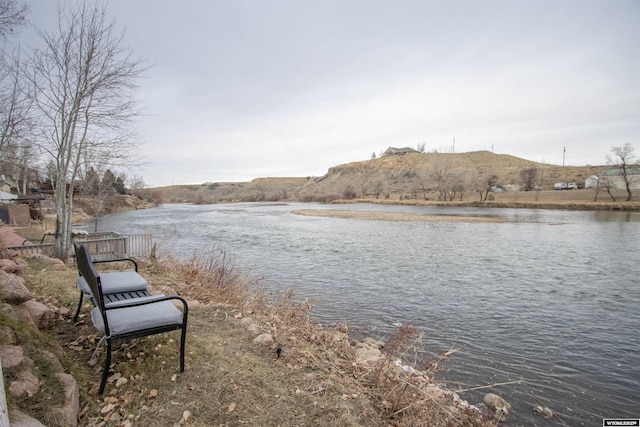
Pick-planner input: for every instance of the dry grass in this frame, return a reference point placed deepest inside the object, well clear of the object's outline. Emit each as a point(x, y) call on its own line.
point(401, 385)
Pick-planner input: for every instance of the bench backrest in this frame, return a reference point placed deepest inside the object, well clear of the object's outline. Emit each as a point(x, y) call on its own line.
point(92, 277)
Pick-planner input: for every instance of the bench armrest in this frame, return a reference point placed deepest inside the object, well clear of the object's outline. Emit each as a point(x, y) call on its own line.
point(134, 302)
point(102, 261)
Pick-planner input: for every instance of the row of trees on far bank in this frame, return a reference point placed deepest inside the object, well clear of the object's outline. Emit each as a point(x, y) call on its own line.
point(68, 104)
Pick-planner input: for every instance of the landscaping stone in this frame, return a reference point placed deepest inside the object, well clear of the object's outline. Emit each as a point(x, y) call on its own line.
point(22, 266)
point(13, 267)
point(264, 339)
point(7, 335)
point(9, 311)
point(42, 315)
point(69, 411)
point(27, 383)
point(254, 329)
point(20, 419)
point(54, 362)
point(12, 288)
point(13, 356)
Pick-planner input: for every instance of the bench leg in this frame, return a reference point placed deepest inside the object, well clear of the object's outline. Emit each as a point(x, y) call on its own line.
point(75, 318)
point(183, 337)
point(107, 363)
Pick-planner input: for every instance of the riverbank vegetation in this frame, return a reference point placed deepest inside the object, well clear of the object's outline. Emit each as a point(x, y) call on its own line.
point(308, 374)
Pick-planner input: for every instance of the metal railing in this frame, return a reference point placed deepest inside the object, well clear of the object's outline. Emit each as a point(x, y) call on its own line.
point(100, 245)
point(40, 248)
point(139, 245)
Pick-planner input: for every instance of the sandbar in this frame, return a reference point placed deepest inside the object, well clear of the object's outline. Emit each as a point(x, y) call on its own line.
point(399, 216)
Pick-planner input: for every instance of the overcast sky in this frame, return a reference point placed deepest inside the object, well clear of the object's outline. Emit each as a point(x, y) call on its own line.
point(246, 89)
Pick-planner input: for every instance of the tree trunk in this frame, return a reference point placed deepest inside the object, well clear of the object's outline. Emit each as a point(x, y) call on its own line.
point(64, 212)
point(627, 183)
point(611, 195)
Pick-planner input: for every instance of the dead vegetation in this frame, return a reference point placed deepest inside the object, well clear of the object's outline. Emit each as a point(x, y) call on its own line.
point(309, 375)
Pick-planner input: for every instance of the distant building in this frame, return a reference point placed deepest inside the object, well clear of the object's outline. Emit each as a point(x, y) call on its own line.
point(591, 182)
point(616, 180)
point(392, 151)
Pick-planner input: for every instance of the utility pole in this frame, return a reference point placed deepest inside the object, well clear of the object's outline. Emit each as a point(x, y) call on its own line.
point(564, 152)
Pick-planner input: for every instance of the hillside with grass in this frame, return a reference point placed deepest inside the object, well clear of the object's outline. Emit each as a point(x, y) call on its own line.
point(392, 177)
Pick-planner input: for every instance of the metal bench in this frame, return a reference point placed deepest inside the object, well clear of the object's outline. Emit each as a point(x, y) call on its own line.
point(116, 285)
point(131, 317)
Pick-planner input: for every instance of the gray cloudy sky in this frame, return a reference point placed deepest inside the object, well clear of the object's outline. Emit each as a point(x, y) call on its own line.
point(246, 89)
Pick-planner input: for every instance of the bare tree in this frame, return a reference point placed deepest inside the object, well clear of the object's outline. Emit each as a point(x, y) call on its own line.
point(532, 179)
point(456, 186)
point(440, 174)
point(12, 16)
point(377, 186)
point(16, 124)
point(17, 147)
point(14, 105)
point(485, 181)
point(420, 147)
point(442, 177)
point(83, 83)
point(99, 184)
point(423, 181)
point(364, 187)
point(623, 157)
point(529, 178)
point(603, 184)
point(15, 163)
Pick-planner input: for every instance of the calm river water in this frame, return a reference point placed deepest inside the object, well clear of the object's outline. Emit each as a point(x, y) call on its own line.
point(552, 298)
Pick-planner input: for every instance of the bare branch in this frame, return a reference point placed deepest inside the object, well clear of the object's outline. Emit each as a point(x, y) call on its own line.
point(13, 15)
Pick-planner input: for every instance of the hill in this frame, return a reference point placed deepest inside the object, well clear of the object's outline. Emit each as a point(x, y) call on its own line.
point(393, 177)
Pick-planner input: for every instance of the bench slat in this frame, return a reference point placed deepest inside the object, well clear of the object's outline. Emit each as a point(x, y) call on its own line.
point(110, 298)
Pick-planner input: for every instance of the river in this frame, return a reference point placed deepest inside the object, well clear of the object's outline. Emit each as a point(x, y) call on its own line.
point(550, 297)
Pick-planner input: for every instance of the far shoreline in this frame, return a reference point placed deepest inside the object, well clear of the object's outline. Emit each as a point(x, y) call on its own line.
point(507, 201)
